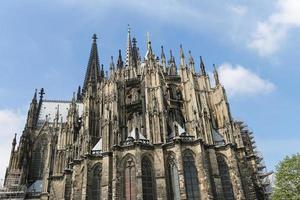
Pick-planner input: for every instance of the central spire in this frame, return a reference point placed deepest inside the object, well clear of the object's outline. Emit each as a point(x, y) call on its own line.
point(129, 49)
point(92, 71)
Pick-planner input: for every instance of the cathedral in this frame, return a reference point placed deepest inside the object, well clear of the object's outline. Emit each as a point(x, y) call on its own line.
point(150, 128)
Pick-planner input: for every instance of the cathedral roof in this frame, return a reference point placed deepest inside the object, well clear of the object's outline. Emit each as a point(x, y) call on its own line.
point(50, 109)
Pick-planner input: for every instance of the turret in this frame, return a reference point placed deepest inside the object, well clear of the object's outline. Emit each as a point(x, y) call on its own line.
point(102, 73)
point(79, 94)
point(120, 60)
point(202, 67)
point(182, 59)
point(191, 62)
point(135, 53)
point(32, 112)
point(163, 56)
point(14, 142)
point(111, 66)
point(163, 59)
point(173, 68)
point(149, 54)
point(216, 76)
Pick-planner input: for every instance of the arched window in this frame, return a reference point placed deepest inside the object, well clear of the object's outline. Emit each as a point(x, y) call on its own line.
point(129, 192)
point(94, 187)
point(173, 181)
point(147, 179)
point(37, 160)
point(190, 177)
point(225, 177)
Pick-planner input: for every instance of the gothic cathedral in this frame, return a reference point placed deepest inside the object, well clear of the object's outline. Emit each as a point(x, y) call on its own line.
point(149, 129)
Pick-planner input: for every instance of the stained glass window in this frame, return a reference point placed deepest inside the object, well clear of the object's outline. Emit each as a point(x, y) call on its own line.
point(190, 177)
point(95, 183)
point(147, 180)
point(225, 177)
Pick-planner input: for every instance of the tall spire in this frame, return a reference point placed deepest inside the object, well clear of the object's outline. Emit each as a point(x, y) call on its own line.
point(14, 142)
point(216, 75)
point(191, 62)
point(111, 67)
point(41, 93)
point(149, 53)
point(57, 108)
point(102, 73)
point(135, 53)
point(120, 61)
point(172, 59)
point(34, 99)
point(129, 49)
point(92, 71)
point(173, 68)
point(182, 59)
point(79, 95)
point(112, 64)
point(163, 56)
point(202, 67)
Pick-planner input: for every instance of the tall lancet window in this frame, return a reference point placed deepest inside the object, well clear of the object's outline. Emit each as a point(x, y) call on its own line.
point(129, 180)
point(190, 177)
point(173, 180)
point(94, 187)
point(225, 177)
point(37, 160)
point(147, 179)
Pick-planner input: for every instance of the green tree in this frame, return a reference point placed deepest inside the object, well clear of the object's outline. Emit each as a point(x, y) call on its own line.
point(287, 183)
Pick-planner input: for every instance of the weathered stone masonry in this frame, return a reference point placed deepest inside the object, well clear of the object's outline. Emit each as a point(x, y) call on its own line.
point(150, 129)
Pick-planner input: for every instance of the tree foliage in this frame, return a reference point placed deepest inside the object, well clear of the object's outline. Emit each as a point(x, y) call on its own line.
point(287, 183)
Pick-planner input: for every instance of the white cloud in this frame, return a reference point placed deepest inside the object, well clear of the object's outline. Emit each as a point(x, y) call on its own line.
point(240, 81)
point(11, 122)
point(270, 34)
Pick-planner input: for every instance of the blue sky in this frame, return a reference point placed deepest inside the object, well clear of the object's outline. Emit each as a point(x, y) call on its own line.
point(254, 43)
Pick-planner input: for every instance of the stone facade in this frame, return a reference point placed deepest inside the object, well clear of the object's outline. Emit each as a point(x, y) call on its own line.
point(147, 130)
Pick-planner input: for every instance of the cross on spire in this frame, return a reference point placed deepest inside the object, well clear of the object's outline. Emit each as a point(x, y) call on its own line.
point(41, 93)
point(94, 37)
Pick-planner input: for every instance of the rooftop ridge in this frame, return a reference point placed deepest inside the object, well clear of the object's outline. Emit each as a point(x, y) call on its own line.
point(57, 101)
